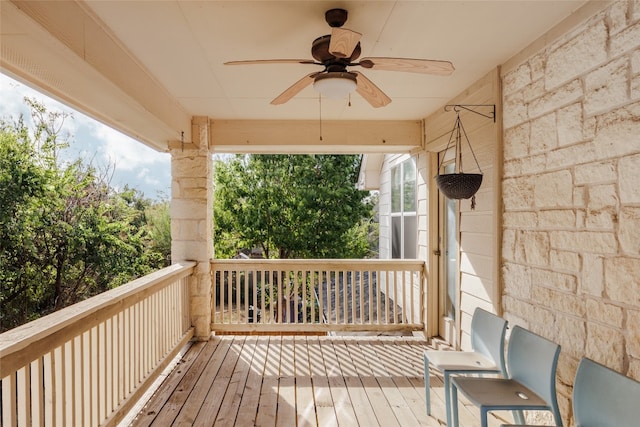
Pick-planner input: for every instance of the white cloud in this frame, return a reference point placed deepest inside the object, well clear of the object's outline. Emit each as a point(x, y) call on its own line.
point(125, 153)
point(136, 165)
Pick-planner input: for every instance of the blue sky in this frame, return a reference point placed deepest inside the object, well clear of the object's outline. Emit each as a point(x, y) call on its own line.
point(132, 162)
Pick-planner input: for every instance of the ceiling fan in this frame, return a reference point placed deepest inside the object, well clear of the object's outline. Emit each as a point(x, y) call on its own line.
point(339, 50)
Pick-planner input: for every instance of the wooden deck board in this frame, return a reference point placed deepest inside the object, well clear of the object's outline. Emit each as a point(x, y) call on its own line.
point(301, 381)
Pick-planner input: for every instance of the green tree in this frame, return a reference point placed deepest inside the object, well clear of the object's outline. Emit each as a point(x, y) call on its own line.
point(65, 234)
point(293, 205)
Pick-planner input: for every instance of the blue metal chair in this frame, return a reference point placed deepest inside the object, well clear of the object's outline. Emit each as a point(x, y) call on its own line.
point(531, 363)
point(487, 355)
point(604, 397)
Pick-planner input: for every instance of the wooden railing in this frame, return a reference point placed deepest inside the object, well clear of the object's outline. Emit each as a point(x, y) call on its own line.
point(88, 364)
point(317, 295)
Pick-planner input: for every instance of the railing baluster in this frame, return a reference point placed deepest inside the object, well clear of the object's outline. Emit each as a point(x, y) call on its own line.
point(9, 402)
point(23, 380)
point(37, 393)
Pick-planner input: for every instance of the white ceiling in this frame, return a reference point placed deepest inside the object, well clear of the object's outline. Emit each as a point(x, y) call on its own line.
point(182, 45)
point(185, 43)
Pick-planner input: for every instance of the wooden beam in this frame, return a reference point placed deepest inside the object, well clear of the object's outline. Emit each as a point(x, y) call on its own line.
point(309, 136)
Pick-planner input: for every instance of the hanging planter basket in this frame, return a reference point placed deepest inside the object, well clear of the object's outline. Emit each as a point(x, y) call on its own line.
point(459, 185)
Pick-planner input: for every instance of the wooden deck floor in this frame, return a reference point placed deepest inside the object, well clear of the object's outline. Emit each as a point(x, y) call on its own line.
point(300, 381)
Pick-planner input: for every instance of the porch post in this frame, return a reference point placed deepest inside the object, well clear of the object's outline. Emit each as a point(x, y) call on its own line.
point(192, 219)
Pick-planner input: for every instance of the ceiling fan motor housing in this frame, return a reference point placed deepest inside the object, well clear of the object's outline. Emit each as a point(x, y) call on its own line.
point(336, 17)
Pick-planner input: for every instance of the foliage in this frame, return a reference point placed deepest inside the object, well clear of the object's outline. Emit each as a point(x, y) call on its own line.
point(65, 234)
point(293, 205)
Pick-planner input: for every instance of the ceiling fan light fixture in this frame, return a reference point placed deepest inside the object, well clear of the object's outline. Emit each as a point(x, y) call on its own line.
point(335, 85)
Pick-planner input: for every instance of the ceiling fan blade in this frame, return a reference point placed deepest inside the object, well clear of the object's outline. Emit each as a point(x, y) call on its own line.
point(343, 42)
point(369, 91)
point(294, 89)
point(272, 61)
point(424, 66)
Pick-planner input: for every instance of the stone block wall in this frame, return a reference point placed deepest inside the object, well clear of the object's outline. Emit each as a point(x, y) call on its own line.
point(571, 193)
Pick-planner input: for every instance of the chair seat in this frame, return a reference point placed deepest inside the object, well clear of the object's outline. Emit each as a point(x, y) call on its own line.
point(497, 393)
point(461, 361)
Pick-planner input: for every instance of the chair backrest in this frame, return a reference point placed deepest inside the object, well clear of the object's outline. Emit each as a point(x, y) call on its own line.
point(532, 360)
point(487, 336)
point(603, 397)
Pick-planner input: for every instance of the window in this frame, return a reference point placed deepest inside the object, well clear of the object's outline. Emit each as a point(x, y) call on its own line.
point(404, 224)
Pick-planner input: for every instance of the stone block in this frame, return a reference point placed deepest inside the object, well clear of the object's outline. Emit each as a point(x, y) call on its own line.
point(512, 168)
point(625, 40)
point(605, 313)
point(514, 110)
point(516, 141)
point(200, 305)
point(606, 87)
point(635, 62)
point(533, 91)
point(534, 246)
point(592, 282)
point(577, 56)
point(633, 333)
point(192, 166)
point(537, 63)
point(561, 97)
point(558, 301)
point(566, 283)
point(585, 241)
point(617, 17)
point(508, 245)
point(517, 193)
point(534, 164)
point(553, 190)
point(544, 135)
point(635, 10)
point(579, 200)
point(194, 230)
point(595, 173)
point(629, 231)
point(629, 178)
point(621, 280)
point(605, 345)
point(189, 209)
point(520, 219)
point(617, 134)
point(572, 334)
point(570, 125)
point(634, 368)
point(602, 196)
point(604, 220)
point(565, 157)
point(635, 88)
point(516, 79)
point(557, 218)
point(565, 261)
point(517, 280)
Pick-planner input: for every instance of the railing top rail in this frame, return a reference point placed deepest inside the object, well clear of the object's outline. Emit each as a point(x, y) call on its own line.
point(331, 264)
point(55, 324)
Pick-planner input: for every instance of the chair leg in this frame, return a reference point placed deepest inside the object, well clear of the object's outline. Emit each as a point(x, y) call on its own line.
point(484, 415)
point(427, 384)
point(447, 395)
point(454, 406)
